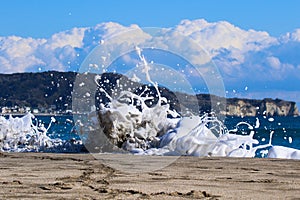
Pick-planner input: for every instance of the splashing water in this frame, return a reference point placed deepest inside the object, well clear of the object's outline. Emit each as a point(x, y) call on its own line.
point(21, 134)
point(134, 125)
point(141, 129)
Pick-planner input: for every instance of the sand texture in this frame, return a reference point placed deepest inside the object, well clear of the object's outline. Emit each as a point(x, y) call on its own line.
point(81, 176)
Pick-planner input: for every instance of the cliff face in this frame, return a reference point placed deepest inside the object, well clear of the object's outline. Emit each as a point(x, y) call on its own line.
point(241, 108)
point(269, 107)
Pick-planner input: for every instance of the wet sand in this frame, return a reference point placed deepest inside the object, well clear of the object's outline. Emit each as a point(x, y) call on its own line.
point(81, 176)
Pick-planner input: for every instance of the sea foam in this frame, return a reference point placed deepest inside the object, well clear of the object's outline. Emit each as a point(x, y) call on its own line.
point(26, 134)
point(133, 125)
point(18, 134)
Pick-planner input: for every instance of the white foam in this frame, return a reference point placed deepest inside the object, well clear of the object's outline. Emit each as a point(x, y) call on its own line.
point(271, 119)
point(20, 134)
point(177, 135)
point(283, 152)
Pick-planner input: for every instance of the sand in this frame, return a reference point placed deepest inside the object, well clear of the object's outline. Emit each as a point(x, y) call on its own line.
point(81, 176)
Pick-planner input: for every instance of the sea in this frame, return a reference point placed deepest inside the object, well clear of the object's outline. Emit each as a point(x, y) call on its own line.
point(286, 130)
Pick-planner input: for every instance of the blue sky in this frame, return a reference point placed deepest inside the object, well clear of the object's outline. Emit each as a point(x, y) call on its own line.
point(42, 18)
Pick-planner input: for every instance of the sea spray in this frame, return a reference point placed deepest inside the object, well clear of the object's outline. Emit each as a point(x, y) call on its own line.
point(135, 126)
point(283, 152)
point(26, 134)
point(20, 134)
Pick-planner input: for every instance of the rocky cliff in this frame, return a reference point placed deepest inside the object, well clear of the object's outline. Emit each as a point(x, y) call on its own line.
point(239, 106)
point(268, 107)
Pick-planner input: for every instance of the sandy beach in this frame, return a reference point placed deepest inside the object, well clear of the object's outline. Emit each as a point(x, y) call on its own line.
point(81, 176)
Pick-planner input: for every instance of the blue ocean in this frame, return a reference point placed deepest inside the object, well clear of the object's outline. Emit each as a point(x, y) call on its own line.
point(286, 129)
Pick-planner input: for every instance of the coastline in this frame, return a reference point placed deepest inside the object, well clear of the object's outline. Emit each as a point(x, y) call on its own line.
point(38, 114)
point(81, 176)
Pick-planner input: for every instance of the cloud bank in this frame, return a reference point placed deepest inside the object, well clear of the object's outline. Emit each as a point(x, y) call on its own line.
point(245, 58)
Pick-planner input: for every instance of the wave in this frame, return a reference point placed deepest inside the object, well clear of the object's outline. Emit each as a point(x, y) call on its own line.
point(142, 124)
point(24, 134)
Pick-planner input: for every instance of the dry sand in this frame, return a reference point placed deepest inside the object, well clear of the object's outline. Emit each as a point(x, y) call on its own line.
point(81, 176)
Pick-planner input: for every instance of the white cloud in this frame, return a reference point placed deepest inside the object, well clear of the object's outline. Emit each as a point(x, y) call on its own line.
point(239, 54)
point(17, 54)
point(62, 51)
point(218, 35)
point(273, 62)
point(291, 36)
point(296, 35)
point(73, 38)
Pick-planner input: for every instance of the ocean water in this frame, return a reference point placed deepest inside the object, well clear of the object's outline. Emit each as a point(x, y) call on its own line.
point(240, 137)
point(63, 127)
point(286, 129)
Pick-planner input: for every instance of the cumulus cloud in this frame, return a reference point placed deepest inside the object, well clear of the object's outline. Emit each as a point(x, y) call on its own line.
point(239, 54)
point(73, 38)
point(63, 51)
point(273, 62)
point(220, 35)
point(291, 36)
point(17, 54)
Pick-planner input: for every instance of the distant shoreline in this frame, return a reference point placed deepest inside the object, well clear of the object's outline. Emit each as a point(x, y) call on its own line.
point(39, 114)
point(71, 115)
